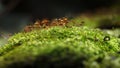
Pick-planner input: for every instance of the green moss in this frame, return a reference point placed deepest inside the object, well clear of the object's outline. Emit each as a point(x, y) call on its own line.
point(93, 20)
point(58, 47)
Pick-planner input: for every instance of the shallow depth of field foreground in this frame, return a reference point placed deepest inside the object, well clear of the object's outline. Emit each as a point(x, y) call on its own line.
point(58, 47)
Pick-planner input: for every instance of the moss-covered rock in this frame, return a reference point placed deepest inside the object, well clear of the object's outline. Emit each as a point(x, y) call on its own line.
point(59, 47)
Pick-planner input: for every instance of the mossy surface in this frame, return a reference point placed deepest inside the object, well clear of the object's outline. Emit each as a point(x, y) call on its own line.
point(59, 47)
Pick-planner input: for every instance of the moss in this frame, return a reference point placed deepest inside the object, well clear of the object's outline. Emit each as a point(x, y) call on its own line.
point(97, 20)
point(58, 47)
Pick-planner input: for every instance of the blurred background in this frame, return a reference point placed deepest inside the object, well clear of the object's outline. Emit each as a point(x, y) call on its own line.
point(15, 14)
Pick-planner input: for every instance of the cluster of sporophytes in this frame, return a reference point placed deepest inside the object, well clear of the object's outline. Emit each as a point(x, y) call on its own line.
point(46, 23)
point(59, 47)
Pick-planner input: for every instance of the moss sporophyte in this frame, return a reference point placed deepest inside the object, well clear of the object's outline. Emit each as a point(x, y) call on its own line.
point(61, 47)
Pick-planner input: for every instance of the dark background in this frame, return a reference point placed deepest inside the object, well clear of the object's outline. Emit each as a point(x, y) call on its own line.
point(27, 11)
point(58, 8)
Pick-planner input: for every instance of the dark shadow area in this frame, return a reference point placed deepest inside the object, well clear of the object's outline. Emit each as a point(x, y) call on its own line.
point(59, 8)
point(29, 10)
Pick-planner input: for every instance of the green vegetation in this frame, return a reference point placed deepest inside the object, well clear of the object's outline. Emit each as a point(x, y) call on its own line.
point(95, 20)
point(2, 41)
point(59, 47)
